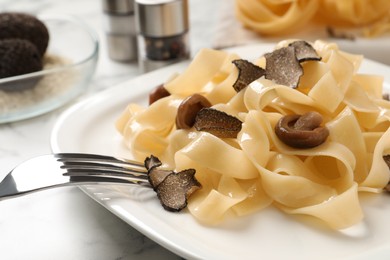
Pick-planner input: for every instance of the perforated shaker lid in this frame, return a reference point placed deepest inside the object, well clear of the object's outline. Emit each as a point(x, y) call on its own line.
point(161, 18)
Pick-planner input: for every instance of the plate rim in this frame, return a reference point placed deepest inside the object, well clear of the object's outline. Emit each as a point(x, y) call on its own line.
point(159, 238)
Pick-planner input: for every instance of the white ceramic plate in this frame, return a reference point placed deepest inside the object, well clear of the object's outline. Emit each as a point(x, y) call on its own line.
point(89, 127)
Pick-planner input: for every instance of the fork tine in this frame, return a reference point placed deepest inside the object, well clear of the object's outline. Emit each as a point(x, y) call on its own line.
point(95, 165)
point(82, 177)
point(97, 158)
point(91, 179)
point(101, 166)
point(102, 173)
point(58, 170)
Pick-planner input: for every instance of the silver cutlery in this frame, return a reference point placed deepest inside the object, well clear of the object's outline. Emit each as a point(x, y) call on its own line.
point(65, 169)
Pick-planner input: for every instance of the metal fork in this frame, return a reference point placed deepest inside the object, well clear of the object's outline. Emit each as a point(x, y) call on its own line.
point(64, 169)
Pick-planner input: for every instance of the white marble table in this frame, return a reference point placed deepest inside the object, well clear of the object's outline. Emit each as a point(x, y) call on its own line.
point(65, 223)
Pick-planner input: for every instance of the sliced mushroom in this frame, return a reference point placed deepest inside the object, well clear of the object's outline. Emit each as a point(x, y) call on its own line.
point(386, 158)
point(158, 93)
point(302, 131)
point(188, 110)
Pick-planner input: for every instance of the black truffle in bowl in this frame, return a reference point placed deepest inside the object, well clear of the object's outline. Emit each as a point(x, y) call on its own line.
point(18, 57)
point(24, 26)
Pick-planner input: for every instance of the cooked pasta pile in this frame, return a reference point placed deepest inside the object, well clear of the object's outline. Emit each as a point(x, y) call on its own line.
point(255, 170)
point(279, 17)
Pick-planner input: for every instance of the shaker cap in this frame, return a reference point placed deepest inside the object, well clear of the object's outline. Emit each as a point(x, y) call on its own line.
point(118, 6)
point(161, 18)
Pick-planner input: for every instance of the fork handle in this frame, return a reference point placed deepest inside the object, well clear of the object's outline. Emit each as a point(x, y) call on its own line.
point(8, 188)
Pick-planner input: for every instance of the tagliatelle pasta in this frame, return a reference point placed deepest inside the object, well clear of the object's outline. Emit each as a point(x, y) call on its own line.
point(255, 170)
point(354, 12)
point(274, 17)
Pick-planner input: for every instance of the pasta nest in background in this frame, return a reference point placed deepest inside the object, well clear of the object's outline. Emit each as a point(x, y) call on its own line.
point(273, 17)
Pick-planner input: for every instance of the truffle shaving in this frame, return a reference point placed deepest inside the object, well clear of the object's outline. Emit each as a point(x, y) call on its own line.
point(247, 73)
point(283, 67)
point(176, 188)
point(304, 51)
point(172, 188)
point(217, 123)
point(152, 162)
point(155, 175)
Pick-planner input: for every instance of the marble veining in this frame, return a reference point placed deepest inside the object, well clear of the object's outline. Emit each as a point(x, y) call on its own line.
point(65, 223)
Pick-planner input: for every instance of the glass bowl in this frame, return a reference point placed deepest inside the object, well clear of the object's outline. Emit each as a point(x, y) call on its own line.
point(69, 64)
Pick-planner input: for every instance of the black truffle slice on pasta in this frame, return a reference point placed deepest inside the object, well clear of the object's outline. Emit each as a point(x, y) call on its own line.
point(152, 162)
point(176, 188)
point(247, 73)
point(173, 188)
point(155, 175)
point(304, 51)
point(283, 67)
point(217, 123)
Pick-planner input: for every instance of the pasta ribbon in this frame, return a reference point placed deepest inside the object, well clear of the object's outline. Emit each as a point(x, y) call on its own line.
point(256, 169)
point(275, 17)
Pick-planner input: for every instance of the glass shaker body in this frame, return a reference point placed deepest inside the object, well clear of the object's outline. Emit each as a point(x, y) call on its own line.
point(162, 32)
point(119, 25)
point(157, 52)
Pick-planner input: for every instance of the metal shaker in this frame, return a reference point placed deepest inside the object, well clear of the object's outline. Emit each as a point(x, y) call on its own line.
point(119, 24)
point(163, 32)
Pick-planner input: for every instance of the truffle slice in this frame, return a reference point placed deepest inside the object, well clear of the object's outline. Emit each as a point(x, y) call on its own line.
point(24, 26)
point(217, 123)
point(304, 51)
point(176, 188)
point(152, 162)
point(247, 73)
point(18, 57)
point(155, 175)
point(283, 67)
point(172, 188)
